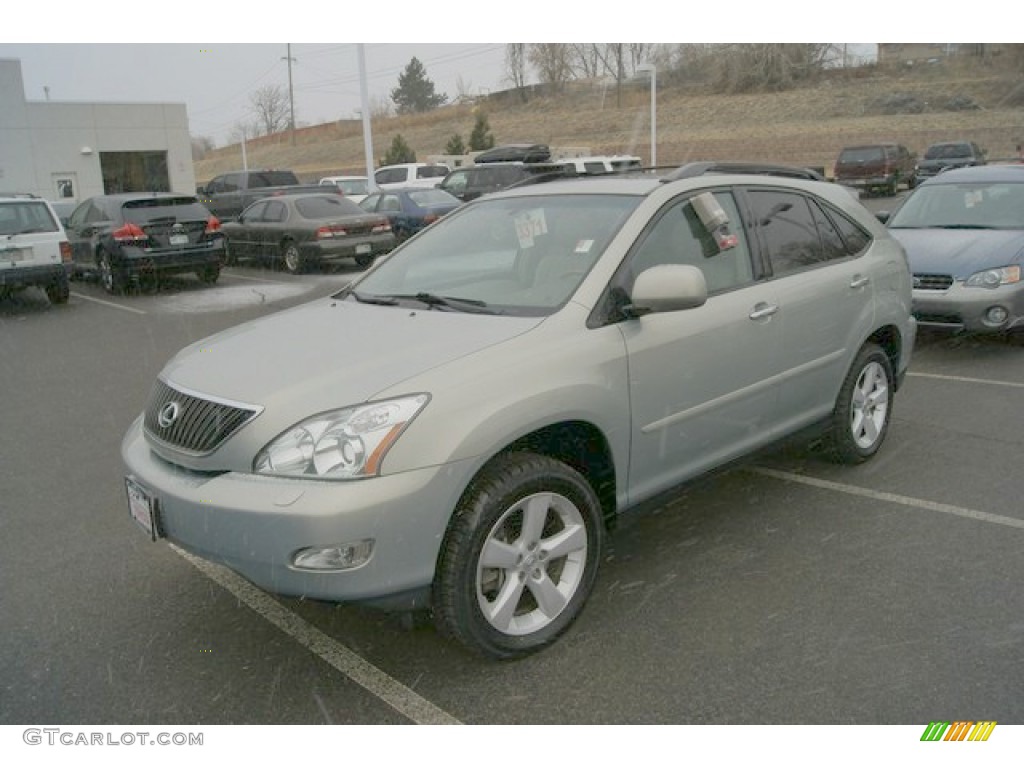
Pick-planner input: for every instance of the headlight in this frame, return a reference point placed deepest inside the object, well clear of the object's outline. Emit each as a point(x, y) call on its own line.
point(339, 445)
point(993, 278)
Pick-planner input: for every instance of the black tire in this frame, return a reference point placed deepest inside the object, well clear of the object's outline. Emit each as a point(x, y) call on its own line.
point(564, 515)
point(59, 291)
point(209, 274)
point(112, 277)
point(291, 258)
point(364, 260)
point(863, 410)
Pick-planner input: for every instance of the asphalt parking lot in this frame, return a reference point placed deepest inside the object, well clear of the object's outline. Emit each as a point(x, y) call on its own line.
point(785, 590)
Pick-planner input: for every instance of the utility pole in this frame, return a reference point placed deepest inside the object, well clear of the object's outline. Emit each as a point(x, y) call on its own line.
point(291, 94)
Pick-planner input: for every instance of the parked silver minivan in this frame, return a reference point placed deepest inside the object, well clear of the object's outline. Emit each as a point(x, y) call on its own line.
point(458, 428)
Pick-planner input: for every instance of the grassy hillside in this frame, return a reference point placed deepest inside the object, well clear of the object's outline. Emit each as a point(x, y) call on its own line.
point(807, 126)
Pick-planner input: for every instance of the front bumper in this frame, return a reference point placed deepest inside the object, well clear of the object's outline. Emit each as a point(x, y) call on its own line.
point(962, 308)
point(254, 524)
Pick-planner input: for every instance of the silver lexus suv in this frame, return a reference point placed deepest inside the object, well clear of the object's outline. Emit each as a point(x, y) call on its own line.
point(458, 428)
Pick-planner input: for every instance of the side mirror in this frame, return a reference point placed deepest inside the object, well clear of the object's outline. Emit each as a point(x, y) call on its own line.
point(883, 216)
point(667, 288)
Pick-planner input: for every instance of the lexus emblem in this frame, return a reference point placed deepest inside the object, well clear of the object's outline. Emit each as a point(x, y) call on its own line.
point(168, 415)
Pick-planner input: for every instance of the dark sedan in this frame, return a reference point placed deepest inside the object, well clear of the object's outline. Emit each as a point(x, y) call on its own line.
point(132, 238)
point(411, 209)
point(303, 231)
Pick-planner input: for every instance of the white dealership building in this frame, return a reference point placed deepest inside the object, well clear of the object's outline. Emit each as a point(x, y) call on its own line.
point(73, 150)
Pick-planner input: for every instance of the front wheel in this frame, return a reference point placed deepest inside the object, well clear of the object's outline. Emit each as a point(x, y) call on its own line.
point(520, 556)
point(863, 409)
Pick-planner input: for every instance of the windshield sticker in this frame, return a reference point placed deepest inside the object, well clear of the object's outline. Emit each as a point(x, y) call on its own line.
point(584, 246)
point(972, 198)
point(529, 225)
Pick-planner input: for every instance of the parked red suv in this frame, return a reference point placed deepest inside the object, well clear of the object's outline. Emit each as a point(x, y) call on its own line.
point(876, 167)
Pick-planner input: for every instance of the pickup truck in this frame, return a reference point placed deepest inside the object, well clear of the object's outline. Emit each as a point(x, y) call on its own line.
point(227, 195)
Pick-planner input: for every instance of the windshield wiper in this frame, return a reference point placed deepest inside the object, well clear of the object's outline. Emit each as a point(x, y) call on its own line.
point(448, 302)
point(965, 226)
point(387, 301)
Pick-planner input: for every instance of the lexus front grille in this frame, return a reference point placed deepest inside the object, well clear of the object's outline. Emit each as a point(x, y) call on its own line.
point(193, 423)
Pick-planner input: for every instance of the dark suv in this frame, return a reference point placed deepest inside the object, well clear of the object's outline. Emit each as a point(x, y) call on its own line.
point(949, 154)
point(876, 167)
point(133, 237)
point(469, 183)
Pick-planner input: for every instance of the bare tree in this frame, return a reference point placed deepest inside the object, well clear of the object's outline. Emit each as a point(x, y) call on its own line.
point(552, 61)
point(515, 67)
point(269, 106)
point(200, 146)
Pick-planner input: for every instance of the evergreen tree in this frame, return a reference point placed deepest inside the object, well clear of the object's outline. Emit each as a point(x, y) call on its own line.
point(481, 137)
point(399, 152)
point(415, 92)
point(455, 145)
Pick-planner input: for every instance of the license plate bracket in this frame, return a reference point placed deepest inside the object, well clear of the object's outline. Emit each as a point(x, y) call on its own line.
point(143, 508)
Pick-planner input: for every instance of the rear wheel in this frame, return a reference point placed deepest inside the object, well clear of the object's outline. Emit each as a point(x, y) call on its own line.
point(863, 409)
point(520, 556)
point(59, 291)
point(291, 257)
point(112, 278)
point(209, 274)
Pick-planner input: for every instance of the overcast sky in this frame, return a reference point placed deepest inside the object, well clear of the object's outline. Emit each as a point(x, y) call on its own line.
point(216, 80)
point(77, 51)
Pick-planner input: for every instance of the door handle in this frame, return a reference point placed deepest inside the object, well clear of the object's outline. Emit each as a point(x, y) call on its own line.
point(860, 281)
point(761, 311)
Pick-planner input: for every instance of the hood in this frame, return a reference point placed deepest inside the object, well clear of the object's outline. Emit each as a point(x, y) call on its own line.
point(959, 252)
point(331, 353)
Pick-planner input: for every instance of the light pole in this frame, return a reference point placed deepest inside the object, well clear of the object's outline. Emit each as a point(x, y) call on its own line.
point(654, 109)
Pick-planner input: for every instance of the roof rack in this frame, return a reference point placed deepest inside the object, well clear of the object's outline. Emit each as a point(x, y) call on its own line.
point(703, 168)
point(22, 195)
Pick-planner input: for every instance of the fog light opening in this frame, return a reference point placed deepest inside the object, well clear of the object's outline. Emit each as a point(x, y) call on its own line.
point(336, 557)
point(996, 315)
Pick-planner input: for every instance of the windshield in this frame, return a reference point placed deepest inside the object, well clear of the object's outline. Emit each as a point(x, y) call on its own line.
point(26, 218)
point(147, 209)
point(963, 206)
point(326, 207)
point(523, 255)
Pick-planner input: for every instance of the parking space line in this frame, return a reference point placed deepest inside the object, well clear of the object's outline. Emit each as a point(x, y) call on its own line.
point(359, 670)
point(109, 303)
point(892, 498)
point(967, 380)
point(249, 277)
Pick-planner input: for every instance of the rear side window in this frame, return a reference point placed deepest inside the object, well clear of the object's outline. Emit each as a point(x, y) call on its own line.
point(798, 234)
point(431, 171)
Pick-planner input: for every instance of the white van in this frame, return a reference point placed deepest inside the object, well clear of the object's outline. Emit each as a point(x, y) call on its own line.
point(598, 164)
point(355, 188)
